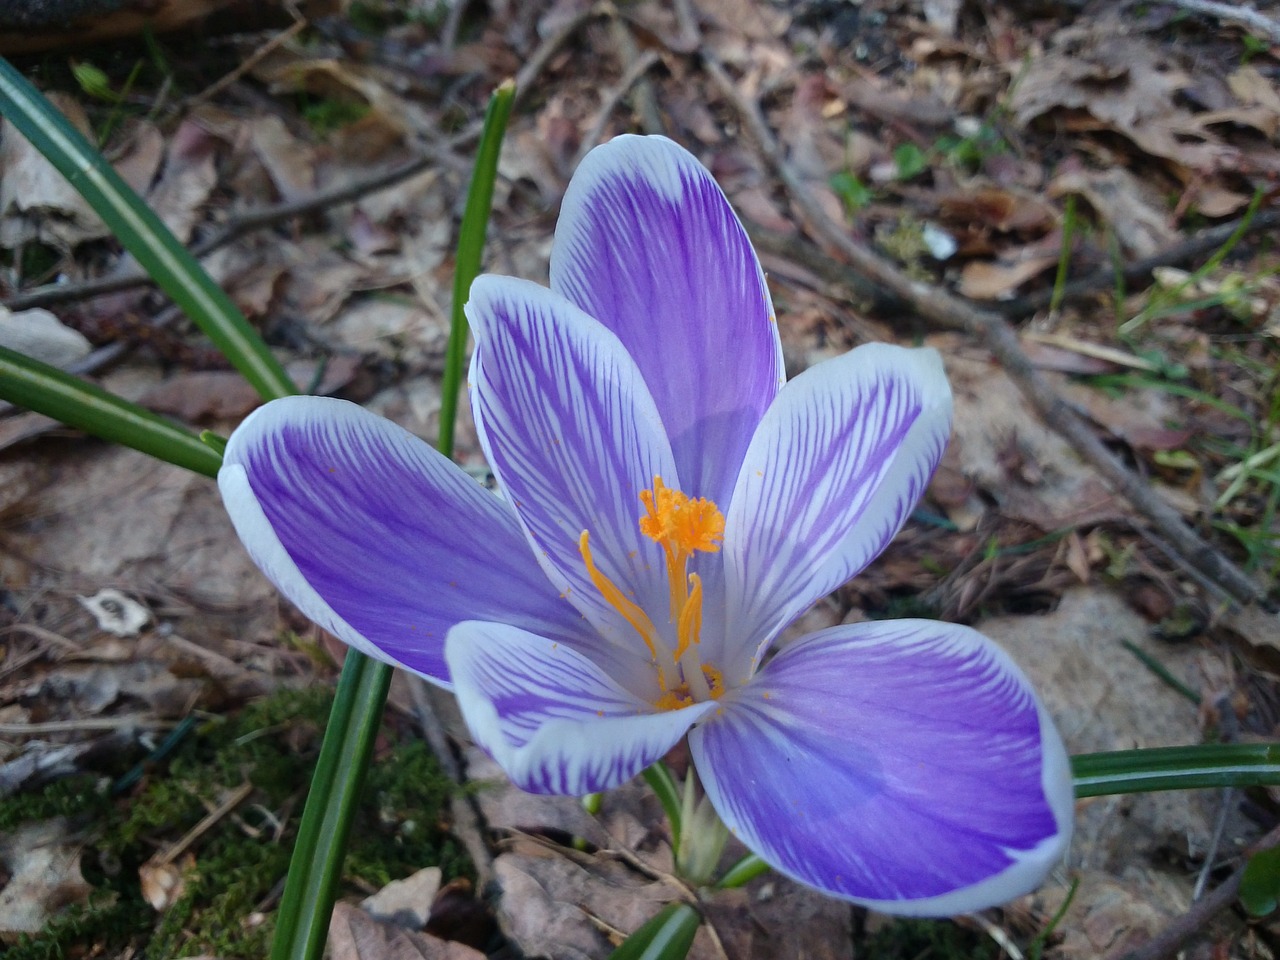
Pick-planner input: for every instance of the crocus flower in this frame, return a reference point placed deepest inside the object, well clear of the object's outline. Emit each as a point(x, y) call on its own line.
point(670, 506)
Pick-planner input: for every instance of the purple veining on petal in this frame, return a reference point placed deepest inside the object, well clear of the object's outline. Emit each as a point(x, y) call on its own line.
point(648, 244)
point(572, 433)
point(837, 465)
point(397, 540)
point(552, 719)
point(891, 763)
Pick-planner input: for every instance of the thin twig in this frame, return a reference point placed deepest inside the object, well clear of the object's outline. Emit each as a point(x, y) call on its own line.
point(1170, 940)
point(87, 723)
point(646, 102)
point(943, 308)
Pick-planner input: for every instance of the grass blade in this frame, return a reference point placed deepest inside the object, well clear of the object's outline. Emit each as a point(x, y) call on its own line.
point(664, 787)
point(141, 231)
point(475, 223)
point(78, 403)
point(667, 936)
point(302, 924)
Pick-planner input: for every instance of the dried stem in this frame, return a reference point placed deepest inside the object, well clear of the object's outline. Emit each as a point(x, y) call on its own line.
point(943, 308)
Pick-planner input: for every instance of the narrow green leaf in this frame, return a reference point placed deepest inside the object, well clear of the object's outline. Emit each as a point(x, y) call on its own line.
point(141, 231)
point(664, 787)
point(1177, 768)
point(1260, 885)
point(302, 924)
point(37, 386)
point(214, 442)
point(668, 936)
point(742, 872)
point(475, 223)
point(303, 921)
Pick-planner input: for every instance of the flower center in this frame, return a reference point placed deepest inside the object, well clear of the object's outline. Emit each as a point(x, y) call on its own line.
point(681, 525)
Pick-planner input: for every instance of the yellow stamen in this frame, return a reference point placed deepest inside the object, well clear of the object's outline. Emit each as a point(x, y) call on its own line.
point(681, 525)
point(609, 590)
point(689, 626)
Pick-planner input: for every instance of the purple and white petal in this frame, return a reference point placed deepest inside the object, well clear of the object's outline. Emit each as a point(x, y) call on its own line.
point(833, 472)
point(648, 245)
point(573, 435)
point(377, 537)
point(904, 765)
point(550, 717)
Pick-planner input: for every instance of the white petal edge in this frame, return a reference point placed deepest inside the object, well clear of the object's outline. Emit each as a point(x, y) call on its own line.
point(580, 731)
point(273, 560)
point(773, 575)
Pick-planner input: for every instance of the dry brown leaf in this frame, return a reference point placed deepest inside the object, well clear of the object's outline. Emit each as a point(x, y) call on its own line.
point(407, 902)
point(987, 280)
point(1103, 75)
point(139, 158)
point(1253, 89)
point(188, 178)
point(289, 161)
point(354, 935)
point(36, 201)
point(43, 866)
point(1134, 208)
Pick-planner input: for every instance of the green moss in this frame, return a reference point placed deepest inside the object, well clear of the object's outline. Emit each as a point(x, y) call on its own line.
point(926, 940)
point(73, 797)
point(230, 892)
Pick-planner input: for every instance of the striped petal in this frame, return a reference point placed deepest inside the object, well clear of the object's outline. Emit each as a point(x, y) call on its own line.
point(904, 765)
point(833, 472)
point(550, 717)
point(378, 538)
point(573, 435)
point(648, 244)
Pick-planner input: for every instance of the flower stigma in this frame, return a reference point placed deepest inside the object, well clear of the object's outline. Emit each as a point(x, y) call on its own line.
point(681, 525)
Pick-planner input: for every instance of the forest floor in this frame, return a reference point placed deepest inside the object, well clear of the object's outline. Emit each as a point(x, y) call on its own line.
point(1073, 202)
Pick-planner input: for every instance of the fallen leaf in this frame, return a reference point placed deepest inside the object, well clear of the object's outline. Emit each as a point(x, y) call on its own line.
point(116, 613)
point(43, 866)
point(407, 902)
point(1134, 208)
point(992, 280)
point(39, 334)
point(354, 935)
point(1100, 74)
point(36, 201)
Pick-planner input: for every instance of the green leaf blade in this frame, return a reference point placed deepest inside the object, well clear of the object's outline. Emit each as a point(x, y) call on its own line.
point(667, 936)
point(142, 232)
point(37, 386)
